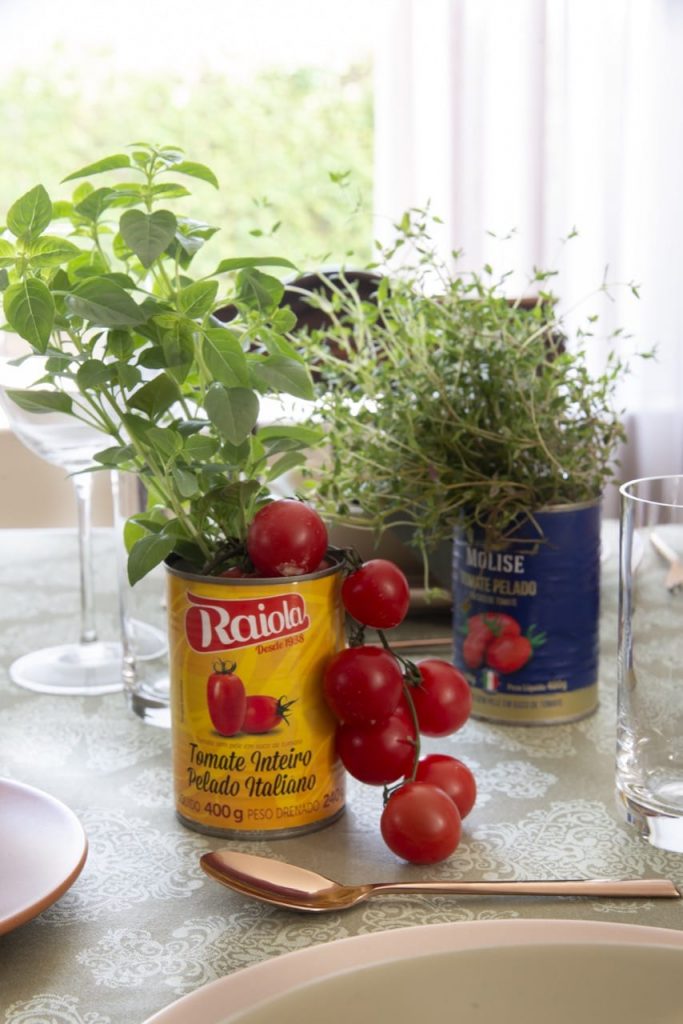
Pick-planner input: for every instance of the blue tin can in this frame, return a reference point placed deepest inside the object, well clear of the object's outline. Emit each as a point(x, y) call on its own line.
point(526, 617)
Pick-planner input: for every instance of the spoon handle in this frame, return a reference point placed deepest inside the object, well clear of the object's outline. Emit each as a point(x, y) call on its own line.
point(650, 888)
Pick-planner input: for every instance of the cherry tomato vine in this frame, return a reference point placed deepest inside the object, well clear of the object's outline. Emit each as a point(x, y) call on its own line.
point(383, 703)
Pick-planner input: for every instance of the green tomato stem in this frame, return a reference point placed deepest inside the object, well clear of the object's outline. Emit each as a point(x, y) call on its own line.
point(413, 714)
point(410, 675)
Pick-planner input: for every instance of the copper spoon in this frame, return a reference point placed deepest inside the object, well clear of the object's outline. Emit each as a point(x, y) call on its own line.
point(286, 885)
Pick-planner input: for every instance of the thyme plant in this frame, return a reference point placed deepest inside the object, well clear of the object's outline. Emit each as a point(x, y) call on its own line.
point(446, 404)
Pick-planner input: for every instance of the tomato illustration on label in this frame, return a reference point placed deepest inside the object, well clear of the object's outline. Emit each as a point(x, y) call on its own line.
point(496, 640)
point(263, 713)
point(482, 630)
point(226, 699)
point(509, 654)
point(493, 625)
point(473, 648)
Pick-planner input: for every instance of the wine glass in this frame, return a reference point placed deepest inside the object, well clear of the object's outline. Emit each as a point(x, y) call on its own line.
point(87, 665)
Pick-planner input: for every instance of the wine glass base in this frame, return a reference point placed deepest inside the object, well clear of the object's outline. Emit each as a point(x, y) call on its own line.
point(70, 669)
point(152, 711)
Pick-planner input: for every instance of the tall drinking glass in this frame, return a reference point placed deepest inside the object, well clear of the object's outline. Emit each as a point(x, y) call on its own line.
point(142, 613)
point(87, 665)
point(650, 668)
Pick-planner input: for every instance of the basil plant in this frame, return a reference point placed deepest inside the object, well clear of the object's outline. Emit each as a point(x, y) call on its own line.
point(101, 286)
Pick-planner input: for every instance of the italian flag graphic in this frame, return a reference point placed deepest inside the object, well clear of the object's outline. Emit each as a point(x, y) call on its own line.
point(490, 679)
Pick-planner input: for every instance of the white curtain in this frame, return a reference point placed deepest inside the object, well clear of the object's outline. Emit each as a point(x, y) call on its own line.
point(528, 120)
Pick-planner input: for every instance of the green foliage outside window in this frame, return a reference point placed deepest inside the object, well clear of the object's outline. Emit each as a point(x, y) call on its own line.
point(292, 151)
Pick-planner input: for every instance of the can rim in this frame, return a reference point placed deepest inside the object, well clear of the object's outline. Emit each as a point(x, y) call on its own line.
point(174, 563)
point(570, 506)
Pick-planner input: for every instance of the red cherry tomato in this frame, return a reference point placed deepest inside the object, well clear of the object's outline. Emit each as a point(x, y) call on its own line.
point(443, 700)
point(264, 714)
point(377, 594)
point(286, 538)
point(378, 753)
point(363, 684)
point(226, 699)
point(403, 711)
point(421, 823)
point(452, 776)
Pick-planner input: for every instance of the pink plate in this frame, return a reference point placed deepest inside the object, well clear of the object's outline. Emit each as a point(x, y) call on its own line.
point(276, 982)
point(42, 852)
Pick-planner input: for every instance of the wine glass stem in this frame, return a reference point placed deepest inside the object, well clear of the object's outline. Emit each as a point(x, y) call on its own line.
point(83, 487)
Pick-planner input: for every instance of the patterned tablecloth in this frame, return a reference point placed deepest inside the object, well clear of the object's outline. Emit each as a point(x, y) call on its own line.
point(143, 925)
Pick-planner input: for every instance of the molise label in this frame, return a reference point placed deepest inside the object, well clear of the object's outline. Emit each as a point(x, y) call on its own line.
point(253, 739)
point(526, 618)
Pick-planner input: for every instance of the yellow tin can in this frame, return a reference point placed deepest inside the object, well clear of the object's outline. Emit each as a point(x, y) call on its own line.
point(253, 739)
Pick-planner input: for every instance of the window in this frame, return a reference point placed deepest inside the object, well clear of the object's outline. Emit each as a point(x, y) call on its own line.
point(276, 98)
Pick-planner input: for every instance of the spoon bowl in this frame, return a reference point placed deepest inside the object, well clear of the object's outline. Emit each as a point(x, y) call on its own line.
point(295, 888)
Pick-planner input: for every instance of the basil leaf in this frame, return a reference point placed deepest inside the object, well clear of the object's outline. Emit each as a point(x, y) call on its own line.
point(292, 432)
point(50, 251)
point(115, 456)
point(279, 374)
point(195, 300)
point(108, 163)
point(244, 262)
point(147, 553)
point(233, 411)
point(258, 291)
point(165, 440)
point(95, 203)
point(156, 396)
point(7, 256)
point(224, 357)
point(289, 461)
point(105, 303)
point(40, 401)
point(195, 170)
point(147, 234)
point(185, 481)
point(30, 311)
point(31, 214)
